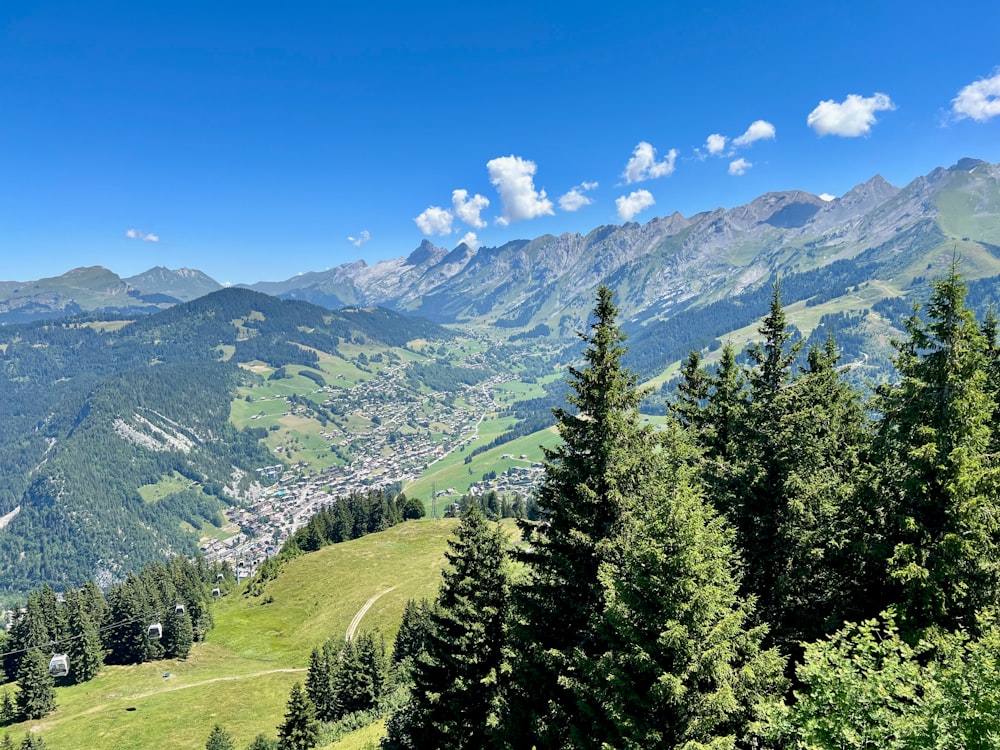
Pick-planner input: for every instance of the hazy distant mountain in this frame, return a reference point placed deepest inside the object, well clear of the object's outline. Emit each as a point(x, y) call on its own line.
point(96, 288)
point(182, 285)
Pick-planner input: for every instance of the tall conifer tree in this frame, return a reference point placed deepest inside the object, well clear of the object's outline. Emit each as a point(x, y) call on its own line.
point(589, 479)
point(457, 674)
point(938, 480)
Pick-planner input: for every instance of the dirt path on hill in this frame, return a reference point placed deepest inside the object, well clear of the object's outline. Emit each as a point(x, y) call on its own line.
point(362, 612)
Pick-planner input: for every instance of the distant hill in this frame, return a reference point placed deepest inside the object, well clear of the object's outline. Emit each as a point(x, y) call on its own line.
point(96, 289)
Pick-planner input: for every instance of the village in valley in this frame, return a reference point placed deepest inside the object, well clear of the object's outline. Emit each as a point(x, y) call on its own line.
point(377, 432)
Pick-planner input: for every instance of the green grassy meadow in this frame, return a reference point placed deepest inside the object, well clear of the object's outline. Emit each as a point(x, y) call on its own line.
point(240, 677)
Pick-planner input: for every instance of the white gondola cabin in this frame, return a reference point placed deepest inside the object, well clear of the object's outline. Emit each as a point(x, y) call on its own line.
point(59, 665)
point(155, 631)
point(216, 592)
point(179, 609)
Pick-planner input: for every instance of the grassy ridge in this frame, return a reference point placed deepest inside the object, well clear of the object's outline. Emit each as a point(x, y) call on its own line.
point(241, 676)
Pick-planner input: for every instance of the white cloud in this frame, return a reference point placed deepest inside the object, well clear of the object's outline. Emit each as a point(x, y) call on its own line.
point(644, 166)
point(739, 166)
point(979, 100)
point(360, 239)
point(468, 209)
point(138, 234)
point(850, 118)
point(827, 197)
point(631, 204)
point(759, 130)
point(435, 220)
point(716, 143)
point(575, 199)
point(513, 178)
point(471, 240)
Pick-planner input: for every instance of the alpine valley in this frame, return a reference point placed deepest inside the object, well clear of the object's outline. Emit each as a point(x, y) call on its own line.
point(154, 414)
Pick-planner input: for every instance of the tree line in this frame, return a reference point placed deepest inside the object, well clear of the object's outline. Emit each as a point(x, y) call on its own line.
point(157, 613)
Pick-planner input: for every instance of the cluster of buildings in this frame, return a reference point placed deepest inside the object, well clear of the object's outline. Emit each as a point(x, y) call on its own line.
point(406, 433)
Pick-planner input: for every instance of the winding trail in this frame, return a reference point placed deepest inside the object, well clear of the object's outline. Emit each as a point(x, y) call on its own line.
point(362, 612)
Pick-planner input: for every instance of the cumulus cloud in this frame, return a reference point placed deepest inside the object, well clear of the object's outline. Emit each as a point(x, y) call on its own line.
point(468, 209)
point(850, 118)
point(631, 204)
point(979, 100)
point(739, 166)
point(513, 178)
point(138, 234)
point(827, 197)
point(471, 240)
point(435, 220)
point(716, 143)
point(759, 130)
point(576, 199)
point(644, 166)
point(361, 239)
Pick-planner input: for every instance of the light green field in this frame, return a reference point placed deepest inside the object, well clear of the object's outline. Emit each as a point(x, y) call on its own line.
point(168, 485)
point(240, 677)
point(456, 475)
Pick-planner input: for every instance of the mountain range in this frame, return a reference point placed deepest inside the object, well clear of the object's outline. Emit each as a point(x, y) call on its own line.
point(659, 268)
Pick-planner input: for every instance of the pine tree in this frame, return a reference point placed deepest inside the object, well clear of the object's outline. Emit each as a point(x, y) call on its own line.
point(457, 675)
point(8, 712)
point(263, 742)
point(36, 695)
point(220, 739)
point(411, 638)
point(692, 393)
point(319, 683)
point(300, 731)
point(588, 480)
point(178, 635)
point(725, 407)
point(937, 479)
point(683, 665)
point(32, 742)
point(84, 648)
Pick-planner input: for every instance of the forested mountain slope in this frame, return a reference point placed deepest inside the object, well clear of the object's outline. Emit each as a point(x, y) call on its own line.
point(91, 412)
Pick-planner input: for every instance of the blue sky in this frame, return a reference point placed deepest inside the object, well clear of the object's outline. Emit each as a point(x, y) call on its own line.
point(259, 140)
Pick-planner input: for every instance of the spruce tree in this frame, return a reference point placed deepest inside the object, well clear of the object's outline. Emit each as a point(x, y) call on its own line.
point(83, 649)
point(457, 675)
point(300, 730)
point(319, 684)
point(36, 694)
point(684, 664)
point(937, 477)
point(589, 478)
point(411, 638)
point(220, 739)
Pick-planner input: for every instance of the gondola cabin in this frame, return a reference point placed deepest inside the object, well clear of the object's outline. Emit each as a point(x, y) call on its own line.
point(216, 593)
point(155, 631)
point(59, 665)
point(179, 610)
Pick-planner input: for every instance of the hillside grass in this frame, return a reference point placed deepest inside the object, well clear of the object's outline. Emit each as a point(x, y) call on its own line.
point(459, 476)
point(240, 677)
